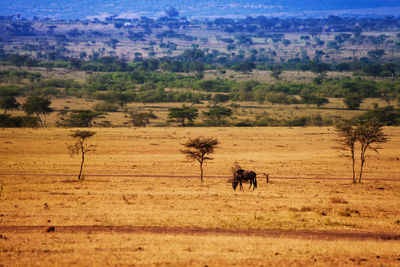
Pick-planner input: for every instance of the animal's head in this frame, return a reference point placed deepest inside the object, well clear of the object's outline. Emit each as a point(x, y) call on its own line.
point(234, 184)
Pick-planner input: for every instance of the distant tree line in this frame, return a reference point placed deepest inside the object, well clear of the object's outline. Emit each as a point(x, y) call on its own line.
point(146, 84)
point(198, 60)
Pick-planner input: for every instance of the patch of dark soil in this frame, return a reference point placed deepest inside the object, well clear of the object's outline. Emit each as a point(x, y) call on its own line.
point(321, 235)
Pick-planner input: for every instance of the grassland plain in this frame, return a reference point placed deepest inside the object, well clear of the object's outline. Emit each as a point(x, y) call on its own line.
point(142, 203)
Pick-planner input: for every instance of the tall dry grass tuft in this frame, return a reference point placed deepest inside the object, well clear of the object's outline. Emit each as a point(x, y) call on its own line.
point(338, 200)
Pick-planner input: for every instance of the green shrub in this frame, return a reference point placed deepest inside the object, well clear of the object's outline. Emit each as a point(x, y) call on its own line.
point(105, 107)
point(8, 121)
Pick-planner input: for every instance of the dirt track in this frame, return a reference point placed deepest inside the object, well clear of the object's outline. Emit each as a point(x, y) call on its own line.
point(320, 235)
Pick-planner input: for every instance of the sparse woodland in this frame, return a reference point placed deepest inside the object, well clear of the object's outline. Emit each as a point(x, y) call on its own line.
point(120, 64)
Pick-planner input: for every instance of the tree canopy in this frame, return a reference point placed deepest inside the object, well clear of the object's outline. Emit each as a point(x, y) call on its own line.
point(198, 149)
point(183, 114)
point(40, 106)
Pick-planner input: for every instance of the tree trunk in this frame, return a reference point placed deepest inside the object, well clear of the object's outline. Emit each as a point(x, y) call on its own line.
point(201, 171)
point(362, 165)
point(39, 119)
point(80, 172)
point(354, 162)
point(44, 120)
point(83, 159)
point(361, 171)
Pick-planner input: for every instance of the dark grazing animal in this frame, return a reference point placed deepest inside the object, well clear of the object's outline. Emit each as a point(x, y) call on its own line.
point(244, 176)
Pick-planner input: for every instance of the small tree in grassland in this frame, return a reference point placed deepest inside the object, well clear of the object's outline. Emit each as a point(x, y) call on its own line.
point(182, 114)
point(367, 133)
point(82, 118)
point(141, 119)
point(81, 147)
point(198, 150)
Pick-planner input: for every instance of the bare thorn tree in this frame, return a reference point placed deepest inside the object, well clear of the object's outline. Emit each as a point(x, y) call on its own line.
point(81, 147)
point(369, 132)
point(198, 150)
point(348, 139)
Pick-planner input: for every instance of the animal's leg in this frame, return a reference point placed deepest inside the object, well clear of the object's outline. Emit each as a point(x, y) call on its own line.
point(251, 183)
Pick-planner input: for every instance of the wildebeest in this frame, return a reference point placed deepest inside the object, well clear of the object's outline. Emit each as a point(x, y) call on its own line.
point(244, 176)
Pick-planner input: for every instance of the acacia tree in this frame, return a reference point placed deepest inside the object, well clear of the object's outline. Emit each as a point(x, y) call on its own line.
point(82, 118)
point(320, 69)
point(40, 106)
point(353, 101)
point(141, 119)
point(8, 103)
point(182, 114)
point(198, 150)
point(368, 133)
point(81, 147)
point(313, 99)
point(216, 116)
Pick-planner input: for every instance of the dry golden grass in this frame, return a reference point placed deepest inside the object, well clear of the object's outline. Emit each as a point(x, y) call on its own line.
point(46, 196)
point(282, 151)
point(99, 249)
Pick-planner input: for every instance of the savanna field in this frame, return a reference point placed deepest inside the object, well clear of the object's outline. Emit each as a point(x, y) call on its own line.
point(102, 106)
point(142, 203)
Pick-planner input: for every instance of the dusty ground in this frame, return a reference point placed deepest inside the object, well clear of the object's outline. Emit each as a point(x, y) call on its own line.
point(142, 203)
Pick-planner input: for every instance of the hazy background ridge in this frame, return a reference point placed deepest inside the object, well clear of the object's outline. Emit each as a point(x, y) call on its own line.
point(72, 9)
